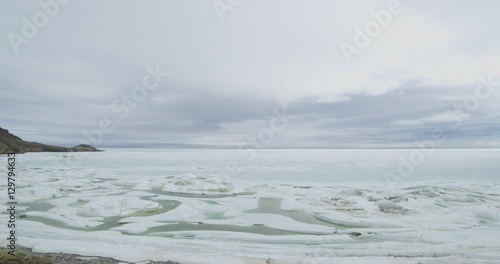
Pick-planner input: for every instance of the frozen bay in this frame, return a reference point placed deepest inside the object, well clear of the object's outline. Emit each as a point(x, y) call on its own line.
point(281, 206)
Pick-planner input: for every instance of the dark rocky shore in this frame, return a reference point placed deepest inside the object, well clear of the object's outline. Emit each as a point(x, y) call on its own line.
point(29, 257)
point(10, 143)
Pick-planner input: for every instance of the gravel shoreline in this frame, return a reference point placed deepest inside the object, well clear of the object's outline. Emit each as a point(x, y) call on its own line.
point(63, 258)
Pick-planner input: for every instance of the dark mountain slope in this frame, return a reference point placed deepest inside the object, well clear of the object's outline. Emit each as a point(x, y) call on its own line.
point(10, 143)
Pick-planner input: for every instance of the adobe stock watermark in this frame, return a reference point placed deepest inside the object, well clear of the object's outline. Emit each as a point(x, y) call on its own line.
point(457, 113)
point(372, 29)
point(40, 19)
point(248, 150)
point(126, 103)
point(222, 7)
point(122, 107)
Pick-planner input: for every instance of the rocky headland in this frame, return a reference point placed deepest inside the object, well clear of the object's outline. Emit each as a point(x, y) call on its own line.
point(10, 143)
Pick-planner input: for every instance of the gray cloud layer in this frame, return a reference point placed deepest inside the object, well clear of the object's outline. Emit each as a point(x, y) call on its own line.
point(226, 77)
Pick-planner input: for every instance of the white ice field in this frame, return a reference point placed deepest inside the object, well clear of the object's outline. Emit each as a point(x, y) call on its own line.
point(284, 206)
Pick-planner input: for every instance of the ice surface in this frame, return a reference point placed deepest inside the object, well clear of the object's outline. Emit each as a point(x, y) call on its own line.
point(297, 206)
point(137, 228)
point(117, 206)
point(278, 222)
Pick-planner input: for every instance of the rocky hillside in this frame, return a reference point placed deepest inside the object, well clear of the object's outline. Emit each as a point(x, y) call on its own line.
point(10, 143)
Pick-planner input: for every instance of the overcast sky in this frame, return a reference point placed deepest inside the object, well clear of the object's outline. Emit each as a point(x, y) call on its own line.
point(231, 63)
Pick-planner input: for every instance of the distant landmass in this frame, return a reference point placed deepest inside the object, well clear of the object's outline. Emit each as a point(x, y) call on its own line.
point(10, 143)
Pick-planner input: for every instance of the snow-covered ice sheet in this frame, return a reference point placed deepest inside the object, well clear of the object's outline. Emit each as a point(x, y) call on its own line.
point(290, 207)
